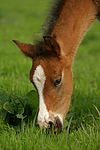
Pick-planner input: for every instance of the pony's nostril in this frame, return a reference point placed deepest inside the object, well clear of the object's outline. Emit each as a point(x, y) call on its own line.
point(50, 123)
point(38, 125)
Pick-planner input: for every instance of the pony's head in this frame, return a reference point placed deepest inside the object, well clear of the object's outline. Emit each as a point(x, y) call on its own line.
point(52, 77)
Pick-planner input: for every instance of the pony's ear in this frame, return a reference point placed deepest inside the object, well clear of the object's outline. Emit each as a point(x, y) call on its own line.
point(27, 49)
point(52, 45)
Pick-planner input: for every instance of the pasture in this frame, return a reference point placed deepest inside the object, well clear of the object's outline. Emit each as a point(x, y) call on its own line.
point(19, 20)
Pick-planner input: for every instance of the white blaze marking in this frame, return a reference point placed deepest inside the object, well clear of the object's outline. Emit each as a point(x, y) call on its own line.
point(39, 80)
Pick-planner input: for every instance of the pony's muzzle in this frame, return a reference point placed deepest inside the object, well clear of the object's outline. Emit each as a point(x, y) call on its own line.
point(56, 125)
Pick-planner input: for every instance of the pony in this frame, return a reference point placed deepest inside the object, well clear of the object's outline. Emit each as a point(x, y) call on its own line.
point(52, 57)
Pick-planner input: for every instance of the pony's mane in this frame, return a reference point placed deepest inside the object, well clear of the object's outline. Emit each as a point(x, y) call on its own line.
point(54, 10)
point(52, 16)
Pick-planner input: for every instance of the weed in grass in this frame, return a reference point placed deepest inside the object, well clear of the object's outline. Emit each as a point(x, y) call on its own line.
point(17, 110)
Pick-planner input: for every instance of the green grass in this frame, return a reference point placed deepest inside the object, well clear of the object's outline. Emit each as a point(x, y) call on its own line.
point(19, 20)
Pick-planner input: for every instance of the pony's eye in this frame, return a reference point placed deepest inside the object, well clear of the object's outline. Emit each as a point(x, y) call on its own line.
point(57, 82)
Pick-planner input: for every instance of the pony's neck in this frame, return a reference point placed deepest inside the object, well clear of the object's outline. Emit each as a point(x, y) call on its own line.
point(75, 18)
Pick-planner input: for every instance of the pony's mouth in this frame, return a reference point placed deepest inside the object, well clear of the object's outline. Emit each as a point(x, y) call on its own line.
point(56, 124)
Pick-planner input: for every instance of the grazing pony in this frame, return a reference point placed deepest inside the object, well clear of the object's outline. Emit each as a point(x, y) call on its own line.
point(53, 55)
